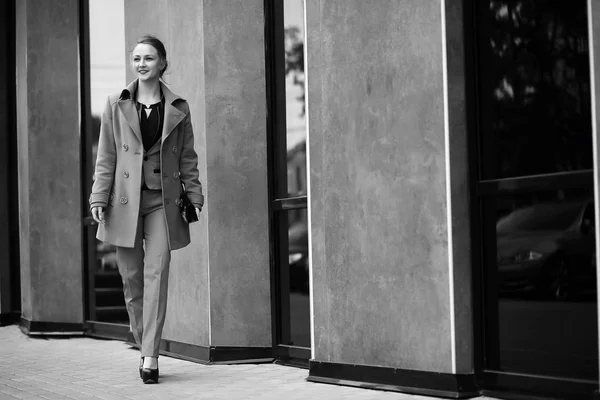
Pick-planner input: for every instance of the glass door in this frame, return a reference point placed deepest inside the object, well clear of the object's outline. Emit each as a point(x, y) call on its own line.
point(288, 180)
point(104, 61)
point(534, 195)
point(10, 269)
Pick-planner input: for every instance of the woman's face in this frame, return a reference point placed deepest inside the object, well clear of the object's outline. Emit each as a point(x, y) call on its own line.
point(145, 62)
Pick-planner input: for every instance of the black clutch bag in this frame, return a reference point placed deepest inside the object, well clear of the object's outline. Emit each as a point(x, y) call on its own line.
point(187, 209)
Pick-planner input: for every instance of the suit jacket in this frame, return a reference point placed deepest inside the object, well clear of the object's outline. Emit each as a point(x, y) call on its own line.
point(119, 167)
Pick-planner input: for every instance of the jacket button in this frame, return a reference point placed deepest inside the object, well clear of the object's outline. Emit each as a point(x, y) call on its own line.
point(175, 175)
point(125, 147)
point(126, 174)
point(174, 149)
point(177, 202)
point(124, 200)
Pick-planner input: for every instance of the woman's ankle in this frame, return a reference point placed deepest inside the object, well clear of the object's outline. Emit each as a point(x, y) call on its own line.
point(150, 362)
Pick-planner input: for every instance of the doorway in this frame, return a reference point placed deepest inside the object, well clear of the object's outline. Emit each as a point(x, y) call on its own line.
point(534, 198)
point(104, 67)
point(288, 181)
point(10, 269)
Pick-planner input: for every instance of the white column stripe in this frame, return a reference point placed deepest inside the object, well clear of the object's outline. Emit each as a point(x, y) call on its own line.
point(448, 188)
point(309, 196)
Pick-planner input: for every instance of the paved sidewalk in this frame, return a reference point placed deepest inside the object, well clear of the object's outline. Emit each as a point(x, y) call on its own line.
point(86, 368)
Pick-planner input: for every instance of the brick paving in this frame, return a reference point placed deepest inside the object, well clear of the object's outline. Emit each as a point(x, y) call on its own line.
point(86, 368)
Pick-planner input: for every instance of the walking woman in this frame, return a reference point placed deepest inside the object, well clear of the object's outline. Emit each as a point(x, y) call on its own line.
point(145, 154)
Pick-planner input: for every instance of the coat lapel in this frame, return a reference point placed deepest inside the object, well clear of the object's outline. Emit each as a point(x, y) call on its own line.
point(172, 115)
point(127, 107)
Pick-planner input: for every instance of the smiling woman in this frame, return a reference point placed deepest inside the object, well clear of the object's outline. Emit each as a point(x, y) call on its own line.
point(145, 139)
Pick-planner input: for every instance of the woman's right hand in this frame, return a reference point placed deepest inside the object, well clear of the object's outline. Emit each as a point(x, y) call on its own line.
point(98, 214)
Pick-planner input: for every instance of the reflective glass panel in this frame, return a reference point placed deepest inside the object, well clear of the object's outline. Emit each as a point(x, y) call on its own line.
point(534, 87)
point(295, 115)
point(541, 283)
point(290, 175)
point(107, 75)
point(294, 263)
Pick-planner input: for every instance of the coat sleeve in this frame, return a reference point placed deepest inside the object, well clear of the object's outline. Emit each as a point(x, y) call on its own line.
point(105, 160)
point(188, 164)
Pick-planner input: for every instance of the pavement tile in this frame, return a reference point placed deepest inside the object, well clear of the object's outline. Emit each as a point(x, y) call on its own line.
point(85, 368)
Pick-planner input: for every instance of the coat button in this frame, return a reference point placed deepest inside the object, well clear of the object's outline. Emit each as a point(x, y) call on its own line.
point(175, 175)
point(124, 200)
point(174, 149)
point(126, 174)
point(125, 147)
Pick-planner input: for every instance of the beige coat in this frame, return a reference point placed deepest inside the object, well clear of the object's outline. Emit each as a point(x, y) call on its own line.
point(118, 174)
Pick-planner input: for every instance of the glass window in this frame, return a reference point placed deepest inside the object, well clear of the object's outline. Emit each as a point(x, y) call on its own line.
point(537, 234)
point(541, 273)
point(534, 80)
point(294, 181)
point(107, 68)
point(294, 278)
point(289, 177)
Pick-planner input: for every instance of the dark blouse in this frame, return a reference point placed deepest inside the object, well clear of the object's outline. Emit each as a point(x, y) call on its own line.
point(151, 123)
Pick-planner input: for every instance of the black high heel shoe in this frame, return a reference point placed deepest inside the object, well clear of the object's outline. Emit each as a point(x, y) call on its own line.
point(149, 375)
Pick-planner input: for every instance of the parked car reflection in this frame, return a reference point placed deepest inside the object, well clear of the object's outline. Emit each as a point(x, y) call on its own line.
point(547, 250)
point(298, 256)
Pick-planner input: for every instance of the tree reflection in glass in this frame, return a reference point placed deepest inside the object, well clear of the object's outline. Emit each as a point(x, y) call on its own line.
point(535, 87)
point(295, 97)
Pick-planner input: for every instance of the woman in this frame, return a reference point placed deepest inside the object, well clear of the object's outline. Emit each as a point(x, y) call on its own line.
point(145, 152)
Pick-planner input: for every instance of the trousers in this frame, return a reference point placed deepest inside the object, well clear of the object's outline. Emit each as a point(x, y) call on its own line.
point(144, 270)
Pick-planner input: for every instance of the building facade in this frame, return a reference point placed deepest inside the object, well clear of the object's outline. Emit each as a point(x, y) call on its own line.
point(400, 194)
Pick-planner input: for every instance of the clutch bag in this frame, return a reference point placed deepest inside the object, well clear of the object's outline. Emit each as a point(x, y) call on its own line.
point(187, 209)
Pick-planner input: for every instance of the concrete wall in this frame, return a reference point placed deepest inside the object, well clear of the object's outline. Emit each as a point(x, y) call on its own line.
point(378, 177)
point(48, 148)
point(236, 143)
point(219, 290)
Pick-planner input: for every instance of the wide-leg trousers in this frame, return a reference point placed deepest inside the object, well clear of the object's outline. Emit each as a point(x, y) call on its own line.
point(145, 273)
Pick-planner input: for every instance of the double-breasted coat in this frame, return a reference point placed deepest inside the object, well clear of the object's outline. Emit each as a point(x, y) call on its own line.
point(120, 165)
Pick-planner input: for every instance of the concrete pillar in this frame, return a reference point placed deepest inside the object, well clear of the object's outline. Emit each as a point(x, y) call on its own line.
point(219, 286)
point(389, 198)
point(48, 116)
